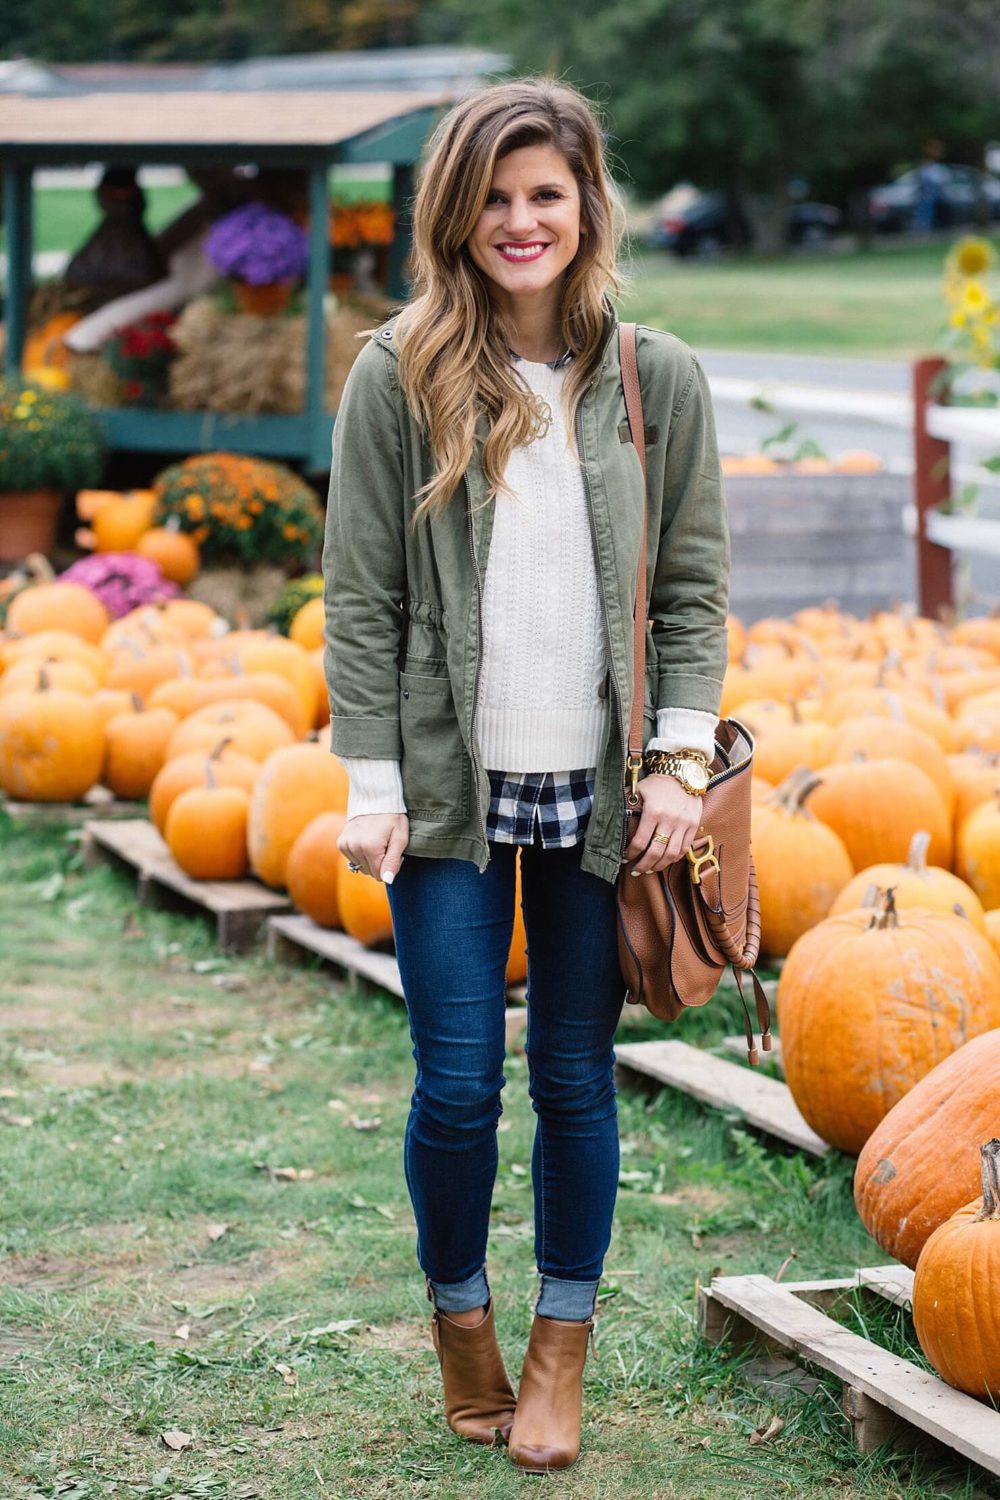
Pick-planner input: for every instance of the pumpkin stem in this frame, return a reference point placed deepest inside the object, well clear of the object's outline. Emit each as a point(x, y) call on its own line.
point(210, 780)
point(793, 704)
point(136, 703)
point(916, 860)
point(44, 680)
point(216, 754)
point(990, 1154)
point(793, 791)
point(887, 916)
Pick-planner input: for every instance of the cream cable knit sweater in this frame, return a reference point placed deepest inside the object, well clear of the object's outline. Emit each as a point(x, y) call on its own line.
point(542, 703)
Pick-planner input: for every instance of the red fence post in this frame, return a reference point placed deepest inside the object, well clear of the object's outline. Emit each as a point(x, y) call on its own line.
point(931, 486)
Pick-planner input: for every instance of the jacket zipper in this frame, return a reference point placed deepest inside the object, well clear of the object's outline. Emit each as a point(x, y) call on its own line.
point(479, 660)
point(604, 603)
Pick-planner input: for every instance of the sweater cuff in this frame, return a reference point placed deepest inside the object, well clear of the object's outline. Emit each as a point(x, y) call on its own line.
point(685, 729)
point(376, 786)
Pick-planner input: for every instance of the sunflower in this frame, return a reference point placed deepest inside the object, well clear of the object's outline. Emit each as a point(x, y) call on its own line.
point(972, 256)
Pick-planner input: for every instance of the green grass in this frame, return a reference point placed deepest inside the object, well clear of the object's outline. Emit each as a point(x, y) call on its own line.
point(164, 1083)
point(886, 304)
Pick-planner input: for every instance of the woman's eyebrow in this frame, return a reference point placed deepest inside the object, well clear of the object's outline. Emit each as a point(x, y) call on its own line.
point(541, 188)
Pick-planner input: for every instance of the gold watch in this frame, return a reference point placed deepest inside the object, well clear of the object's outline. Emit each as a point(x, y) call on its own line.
point(689, 767)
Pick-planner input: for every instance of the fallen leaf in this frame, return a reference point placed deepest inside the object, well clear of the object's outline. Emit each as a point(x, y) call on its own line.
point(335, 1104)
point(765, 1434)
point(287, 1374)
point(183, 1332)
point(23, 1120)
point(175, 1440)
point(216, 1231)
point(10, 1093)
point(286, 1174)
point(330, 1330)
point(356, 1123)
point(356, 1201)
point(696, 1241)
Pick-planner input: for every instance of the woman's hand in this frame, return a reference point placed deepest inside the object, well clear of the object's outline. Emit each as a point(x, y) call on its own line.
point(376, 841)
point(666, 809)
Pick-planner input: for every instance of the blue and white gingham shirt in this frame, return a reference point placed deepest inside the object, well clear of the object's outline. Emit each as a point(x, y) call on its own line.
point(557, 802)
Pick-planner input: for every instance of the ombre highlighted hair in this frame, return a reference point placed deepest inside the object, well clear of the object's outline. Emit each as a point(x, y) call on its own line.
point(454, 359)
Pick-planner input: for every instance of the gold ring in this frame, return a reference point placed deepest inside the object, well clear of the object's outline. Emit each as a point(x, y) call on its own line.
point(661, 838)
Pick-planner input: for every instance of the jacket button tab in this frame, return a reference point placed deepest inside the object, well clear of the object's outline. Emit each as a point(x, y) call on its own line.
point(406, 692)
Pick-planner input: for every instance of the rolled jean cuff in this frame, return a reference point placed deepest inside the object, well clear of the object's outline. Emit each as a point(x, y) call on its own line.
point(460, 1296)
point(571, 1301)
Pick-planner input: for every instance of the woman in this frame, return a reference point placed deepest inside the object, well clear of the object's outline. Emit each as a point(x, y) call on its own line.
point(483, 537)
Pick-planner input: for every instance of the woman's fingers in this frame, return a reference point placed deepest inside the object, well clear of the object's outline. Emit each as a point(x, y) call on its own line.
point(375, 841)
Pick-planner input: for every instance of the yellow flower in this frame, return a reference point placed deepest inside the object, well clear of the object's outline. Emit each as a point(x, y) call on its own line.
point(976, 298)
point(972, 256)
point(958, 318)
point(27, 397)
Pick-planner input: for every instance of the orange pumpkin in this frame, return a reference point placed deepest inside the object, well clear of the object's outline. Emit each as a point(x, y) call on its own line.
point(288, 660)
point(144, 627)
point(112, 701)
point(869, 1002)
point(780, 749)
point(878, 805)
point(119, 524)
point(308, 625)
point(186, 695)
point(977, 779)
point(56, 645)
point(58, 606)
point(174, 552)
point(135, 749)
point(227, 765)
point(195, 620)
point(254, 729)
point(955, 1309)
point(139, 669)
point(914, 884)
point(316, 659)
point(206, 831)
point(922, 1162)
point(45, 347)
point(977, 855)
point(24, 676)
point(867, 735)
point(311, 870)
point(295, 785)
point(363, 904)
point(801, 863)
point(991, 921)
point(51, 744)
point(907, 706)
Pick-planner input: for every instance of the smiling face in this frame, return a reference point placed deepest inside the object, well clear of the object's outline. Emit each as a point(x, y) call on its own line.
point(529, 229)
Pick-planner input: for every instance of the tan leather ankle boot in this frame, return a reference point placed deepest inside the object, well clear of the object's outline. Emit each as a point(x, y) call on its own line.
point(546, 1430)
point(478, 1400)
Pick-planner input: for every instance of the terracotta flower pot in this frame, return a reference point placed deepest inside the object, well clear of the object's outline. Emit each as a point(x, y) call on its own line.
point(263, 301)
point(28, 522)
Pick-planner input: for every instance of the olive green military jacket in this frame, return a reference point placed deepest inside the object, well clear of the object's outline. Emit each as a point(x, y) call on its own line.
point(403, 621)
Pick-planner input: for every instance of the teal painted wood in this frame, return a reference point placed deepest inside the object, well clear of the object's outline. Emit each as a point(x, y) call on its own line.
point(136, 429)
point(318, 456)
point(402, 240)
point(18, 235)
point(397, 141)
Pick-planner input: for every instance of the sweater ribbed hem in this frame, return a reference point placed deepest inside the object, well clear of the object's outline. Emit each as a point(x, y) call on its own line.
point(376, 786)
point(546, 739)
point(685, 729)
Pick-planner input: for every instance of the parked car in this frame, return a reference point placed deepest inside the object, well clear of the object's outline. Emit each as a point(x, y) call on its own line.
point(965, 196)
point(689, 221)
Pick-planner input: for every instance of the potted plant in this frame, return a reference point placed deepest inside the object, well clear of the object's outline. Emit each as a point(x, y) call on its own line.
point(50, 444)
point(263, 252)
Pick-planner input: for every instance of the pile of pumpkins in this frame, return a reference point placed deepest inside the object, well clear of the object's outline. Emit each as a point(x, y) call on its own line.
point(125, 521)
point(216, 727)
point(876, 840)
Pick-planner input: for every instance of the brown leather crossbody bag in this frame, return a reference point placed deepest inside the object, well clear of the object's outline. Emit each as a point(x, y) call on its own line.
point(680, 927)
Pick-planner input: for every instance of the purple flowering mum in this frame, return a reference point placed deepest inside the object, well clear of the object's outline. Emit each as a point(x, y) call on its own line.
point(121, 580)
point(258, 245)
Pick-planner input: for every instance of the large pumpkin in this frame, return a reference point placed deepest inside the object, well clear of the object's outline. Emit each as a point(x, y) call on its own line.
point(288, 660)
point(956, 1311)
point(185, 695)
point(868, 735)
point(977, 779)
point(140, 668)
point(922, 1162)
point(174, 552)
point(24, 676)
point(121, 521)
point(135, 749)
point(56, 645)
point(308, 625)
point(206, 831)
point(51, 744)
point(878, 805)
point(363, 904)
point(801, 864)
point(869, 1002)
point(58, 606)
point(977, 857)
point(914, 884)
point(779, 749)
point(228, 767)
point(311, 869)
point(295, 785)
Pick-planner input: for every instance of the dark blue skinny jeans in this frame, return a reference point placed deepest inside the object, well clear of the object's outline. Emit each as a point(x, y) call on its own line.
point(453, 930)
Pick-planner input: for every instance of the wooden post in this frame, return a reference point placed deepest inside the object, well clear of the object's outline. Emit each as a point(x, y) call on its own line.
point(319, 270)
point(931, 486)
point(402, 194)
point(17, 220)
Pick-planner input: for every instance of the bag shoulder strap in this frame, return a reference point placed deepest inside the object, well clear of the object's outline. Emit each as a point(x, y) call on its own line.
point(637, 429)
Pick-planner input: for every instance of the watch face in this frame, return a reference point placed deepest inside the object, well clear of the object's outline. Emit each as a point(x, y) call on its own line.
point(696, 775)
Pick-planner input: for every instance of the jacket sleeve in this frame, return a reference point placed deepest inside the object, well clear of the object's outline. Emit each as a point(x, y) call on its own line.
point(364, 569)
point(690, 588)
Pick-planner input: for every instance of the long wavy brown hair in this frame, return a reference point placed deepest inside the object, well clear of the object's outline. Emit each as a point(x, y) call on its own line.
point(454, 360)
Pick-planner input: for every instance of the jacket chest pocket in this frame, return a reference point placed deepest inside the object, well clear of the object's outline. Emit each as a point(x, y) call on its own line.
point(436, 770)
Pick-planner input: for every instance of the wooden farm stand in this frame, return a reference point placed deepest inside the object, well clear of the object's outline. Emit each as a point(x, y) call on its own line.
point(302, 130)
point(239, 908)
point(296, 939)
point(885, 1398)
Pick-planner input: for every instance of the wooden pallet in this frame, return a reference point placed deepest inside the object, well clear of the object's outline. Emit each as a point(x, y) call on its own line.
point(239, 908)
point(885, 1398)
point(763, 1102)
point(97, 803)
point(293, 938)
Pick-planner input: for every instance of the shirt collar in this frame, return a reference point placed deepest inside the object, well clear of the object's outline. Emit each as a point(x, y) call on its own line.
point(553, 364)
